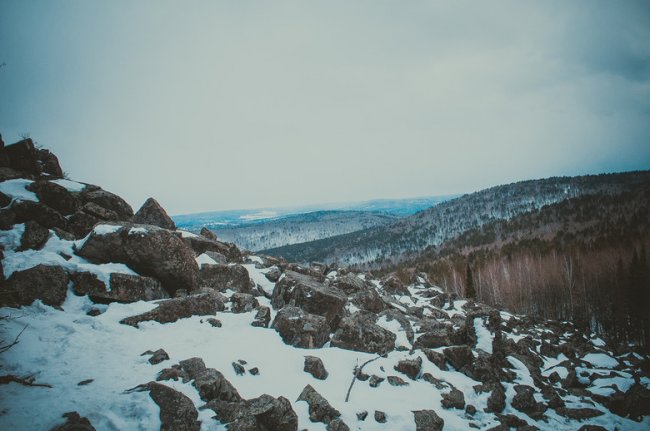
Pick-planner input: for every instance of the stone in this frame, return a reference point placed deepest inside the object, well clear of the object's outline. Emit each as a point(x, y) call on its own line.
point(107, 200)
point(436, 358)
point(359, 332)
point(350, 283)
point(74, 422)
point(47, 283)
point(215, 323)
point(157, 357)
point(262, 413)
point(300, 329)
point(148, 250)
point(170, 310)
point(362, 415)
point(577, 414)
point(55, 196)
point(223, 277)
point(394, 286)
point(49, 163)
point(396, 381)
point(152, 213)
point(453, 400)
point(273, 274)
point(369, 300)
point(458, 356)
point(437, 337)
point(315, 367)
point(524, 401)
point(200, 244)
point(410, 367)
point(337, 425)
point(239, 369)
point(124, 288)
point(497, 400)
point(25, 211)
point(428, 420)
point(99, 212)
point(320, 409)
point(207, 233)
point(254, 371)
point(380, 417)
point(34, 237)
point(23, 156)
point(81, 223)
point(375, 381)
point(262, 317)
point(177, 412)
point(311, 295)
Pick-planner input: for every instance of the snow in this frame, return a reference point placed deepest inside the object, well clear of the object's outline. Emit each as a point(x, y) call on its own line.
point(16, 189)
point(137, 230)
point(205, 259)
point(598, 342)
point(71, 186)
point(11, 239)
point(258, 277)
point(601, 360)
point(396, 328)
point(483, 335)
point(256, 259)
point(186, 234)
point(106, 229)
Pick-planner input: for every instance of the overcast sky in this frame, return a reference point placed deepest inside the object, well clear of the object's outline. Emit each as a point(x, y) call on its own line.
point(249, 104)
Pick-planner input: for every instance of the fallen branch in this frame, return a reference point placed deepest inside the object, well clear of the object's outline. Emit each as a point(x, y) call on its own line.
point(25, 381)
point(357, 371)
point(4, 348)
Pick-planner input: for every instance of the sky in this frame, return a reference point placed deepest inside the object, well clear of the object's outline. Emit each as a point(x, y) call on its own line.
point(214, 105)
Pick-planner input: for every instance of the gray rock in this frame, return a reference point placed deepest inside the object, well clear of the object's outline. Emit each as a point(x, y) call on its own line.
point(262, 317)
point(428, 420)
point(300, 329)
point(497, 400)
point(200, 244)
point(273, 274)
point(243, 302)
point(223, 277)
point(380, 416)
point(156, 357)
point(315, 367)
point(453, 400)
point(170, 310)
point(148, 250)
point(524, 401)
point(47, 283)
point(34, 237)
point(152, 213)
point(360, 332)
point(125, 288)
point(458, 356)
point(396, 381)
point(24, 211)
point(350, 283)
point(177, 412)
point(337, 425)
point(74, 422)
point(207, 233)
point(55, 196)
point(320, 409)
point(369, 300)
point(107, 200)
point(410, 367)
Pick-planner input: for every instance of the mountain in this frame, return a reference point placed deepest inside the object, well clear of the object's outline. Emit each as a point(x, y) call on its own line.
point(410, 236)
point(112, 319)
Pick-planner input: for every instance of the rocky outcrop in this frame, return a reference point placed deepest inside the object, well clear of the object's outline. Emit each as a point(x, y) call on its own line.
point(224, 277)
point(148, 250)
point(300, 329)
point(123, 288)
point(170, 310)
point(152, 213)
point(360, 332)
point(309, 294)
point(47, 283)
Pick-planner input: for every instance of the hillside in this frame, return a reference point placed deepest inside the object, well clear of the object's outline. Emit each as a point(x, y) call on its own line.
point(408, 237)
point(114, 319)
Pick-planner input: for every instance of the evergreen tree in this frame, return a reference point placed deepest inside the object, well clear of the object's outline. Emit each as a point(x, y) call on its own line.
point(470, 292)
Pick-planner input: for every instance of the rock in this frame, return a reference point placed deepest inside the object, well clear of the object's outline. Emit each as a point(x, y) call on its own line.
point(50, 163)
point(369, 300)
point(497, 400)
point(34, 237)
point(47, 283)
point(436, 358)
point(309, 294)
point(262, 317)
point(273, 274)
point(315, 367)
point(524, 401)
point(470, 409)
point(576, 414)
point(360, 332)
point(439, 384)
point(148, 250)
point(350, 283)
point(380, 416)
point(224, 277)
point(81, 223)
point(375, 381)
point(337, 425)
point(99, 212)
point(4, 200)
point(634, 403)
point(396, 381)
point(177, 412)
point(437, 337)
point(107, 200)
point(55, 196)
point(124, 288)
point(152, 213)
point(239, 369)
point(212, 385)
point(74, 422)
point(261, 413)
point(300, 329)
point(254, 371)
point(393, 286)
point(25, 211)
point(207, 233)
point(592, 428)
point(23, 156)
point(200, 244)
point(428, 420)
point(453, 400)
point(170, 310)
point(362, 415)
point(243, 303)
point(156, 357)
point(319, 409)
point(215, 323)
point(410, 367)
point(458, 356)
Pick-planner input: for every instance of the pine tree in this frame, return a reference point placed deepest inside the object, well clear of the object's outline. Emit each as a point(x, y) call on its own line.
point(470, 292)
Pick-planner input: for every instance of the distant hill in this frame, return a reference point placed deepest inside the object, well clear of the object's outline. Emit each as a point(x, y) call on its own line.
point(409, 237)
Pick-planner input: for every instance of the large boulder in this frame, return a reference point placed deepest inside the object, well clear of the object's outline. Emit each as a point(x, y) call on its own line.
point(351, 283)
point(309, 294)
point(210, 383)
point(458, 356)
point(148, 250)
point(50, 163)
point(55, 196)
point(369, 300)
point(200, 244)
point(170, 310)
point(361, 333)
point(320, 409)
point(36, 211)
point(177, 412)
point(300, 329)
point(123, 288)
point(47, 283)
point(410, 367)
point(224, 277)
point(107, 200)
point(34, 237)
point(428, 420)
point(23, 156)
point(262, 413)
point(152, 213)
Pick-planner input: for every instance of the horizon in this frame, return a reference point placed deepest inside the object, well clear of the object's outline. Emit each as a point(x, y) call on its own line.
point(224, 106)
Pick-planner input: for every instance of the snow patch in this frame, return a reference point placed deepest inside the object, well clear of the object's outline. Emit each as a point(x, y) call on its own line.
point(483, 335)
point(71, 186)
point(600, 360)
point(17, 190)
